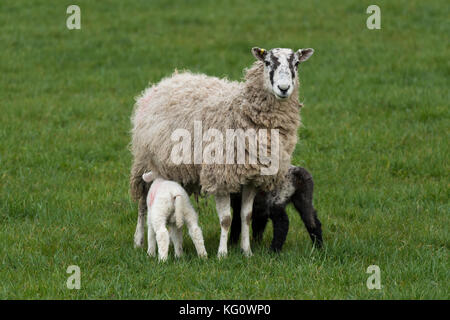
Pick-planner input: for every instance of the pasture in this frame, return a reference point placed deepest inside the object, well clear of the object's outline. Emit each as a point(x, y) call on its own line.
point(375, 137)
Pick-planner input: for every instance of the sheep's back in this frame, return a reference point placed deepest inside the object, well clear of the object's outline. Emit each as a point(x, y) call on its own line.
point(176, 103)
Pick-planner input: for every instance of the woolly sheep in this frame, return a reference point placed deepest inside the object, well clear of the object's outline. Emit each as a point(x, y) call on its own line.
point(168, 204)
point(297, 189)
point(266, 99)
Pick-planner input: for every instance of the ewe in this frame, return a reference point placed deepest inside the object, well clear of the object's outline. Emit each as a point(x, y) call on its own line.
point(265, 103)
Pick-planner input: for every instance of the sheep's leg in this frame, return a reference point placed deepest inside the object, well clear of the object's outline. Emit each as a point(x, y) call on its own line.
point(223, 210)
point(176, 234)
point(140, 229)
point(163, 240)
point(235, 231)
point(248, 195)
point(310, 219)
point(151, 239)
point(259, 222)
point(158, 221)
point(197, 237)
point(280, 222)
point(303, 203)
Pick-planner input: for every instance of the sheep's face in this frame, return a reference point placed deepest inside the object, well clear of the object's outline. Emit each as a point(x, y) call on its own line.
point(280, 69)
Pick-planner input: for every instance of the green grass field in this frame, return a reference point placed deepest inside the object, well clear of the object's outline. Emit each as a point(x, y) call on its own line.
point(375, 138)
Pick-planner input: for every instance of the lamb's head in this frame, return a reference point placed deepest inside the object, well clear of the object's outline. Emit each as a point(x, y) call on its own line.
point(280, 69)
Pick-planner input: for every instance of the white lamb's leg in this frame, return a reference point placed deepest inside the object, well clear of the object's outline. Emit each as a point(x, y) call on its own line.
point(139, 234)
point(163, 240)
point(195, 232)
point(248, 195)
point(176, 234)
point(158, 221)
point(224, 212)
point(151, 239)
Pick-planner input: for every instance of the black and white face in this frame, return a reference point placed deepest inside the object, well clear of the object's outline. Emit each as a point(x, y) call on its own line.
point(280, 69)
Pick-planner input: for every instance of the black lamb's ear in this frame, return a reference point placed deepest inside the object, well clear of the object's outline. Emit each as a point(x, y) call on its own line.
point(304, 54)
point(259, 53)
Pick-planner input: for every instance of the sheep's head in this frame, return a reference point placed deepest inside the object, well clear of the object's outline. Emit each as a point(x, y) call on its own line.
point(280, 69)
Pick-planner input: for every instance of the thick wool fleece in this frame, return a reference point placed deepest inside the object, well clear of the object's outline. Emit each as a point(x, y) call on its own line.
point(177, 101)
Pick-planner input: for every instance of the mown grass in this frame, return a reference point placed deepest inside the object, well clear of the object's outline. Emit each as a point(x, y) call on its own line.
point(375, 137)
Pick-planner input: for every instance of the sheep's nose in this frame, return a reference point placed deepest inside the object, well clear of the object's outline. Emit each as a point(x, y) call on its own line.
point(284, 88)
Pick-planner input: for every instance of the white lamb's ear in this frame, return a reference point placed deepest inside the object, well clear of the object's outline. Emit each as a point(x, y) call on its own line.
point(148, 176)
point(259, 53)
point(304, 54)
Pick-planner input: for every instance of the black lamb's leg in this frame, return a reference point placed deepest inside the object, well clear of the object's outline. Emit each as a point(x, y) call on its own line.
point(235, 231)
point(260, 216)
point(280, 222)
point(303, 203)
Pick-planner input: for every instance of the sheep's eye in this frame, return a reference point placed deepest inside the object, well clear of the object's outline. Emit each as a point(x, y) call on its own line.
point(267, 63)
point(296, 64)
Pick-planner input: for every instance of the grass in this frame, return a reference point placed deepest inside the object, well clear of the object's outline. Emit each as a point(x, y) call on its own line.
point(375, 137)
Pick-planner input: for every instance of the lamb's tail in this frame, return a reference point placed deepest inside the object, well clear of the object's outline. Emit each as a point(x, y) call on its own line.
point(148, 177)
point(179, 209)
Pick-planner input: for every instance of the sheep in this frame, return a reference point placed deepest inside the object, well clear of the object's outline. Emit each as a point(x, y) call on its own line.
point(297, 189)
point(175, 108)
point(168, 204)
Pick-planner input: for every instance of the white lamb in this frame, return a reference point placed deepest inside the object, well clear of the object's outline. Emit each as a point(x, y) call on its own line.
point(168, 204)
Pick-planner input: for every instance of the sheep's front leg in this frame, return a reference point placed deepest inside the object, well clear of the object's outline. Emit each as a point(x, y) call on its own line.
point(224, 212)
point(248, 195)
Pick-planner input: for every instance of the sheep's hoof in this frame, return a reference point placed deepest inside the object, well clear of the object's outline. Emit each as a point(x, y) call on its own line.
point(139, 244)
point(138, 241)
point(222, 254)
point(247, 253)
point(151, 253)
point(162, 259)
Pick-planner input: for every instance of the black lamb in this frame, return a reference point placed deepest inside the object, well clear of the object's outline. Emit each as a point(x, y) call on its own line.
point(298, 189)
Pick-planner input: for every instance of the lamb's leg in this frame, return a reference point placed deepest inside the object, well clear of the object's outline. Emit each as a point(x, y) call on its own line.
point(235, 231)
point(248, 195)
point(163, 240)
point(260, 215)
point(197, 238)
point(176, 234)
point(162, 234)
point(151, 239)
point(223, 210)
point(259, 222)
point(303, 203)
point(280, 222)
point(139, 234)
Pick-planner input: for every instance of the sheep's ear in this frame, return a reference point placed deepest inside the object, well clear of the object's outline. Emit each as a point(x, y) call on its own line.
point(304, 54)
point(259, 53)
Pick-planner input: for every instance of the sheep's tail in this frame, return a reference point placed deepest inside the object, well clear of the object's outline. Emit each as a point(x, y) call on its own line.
point(148, 177)
point(179, 209)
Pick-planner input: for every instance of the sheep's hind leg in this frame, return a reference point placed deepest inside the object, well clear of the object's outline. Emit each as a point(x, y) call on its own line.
point(139, 234)
point(158, 222)
point(176, 234)
point(303, 203)
point(235, 230)
point(197, 237)
point(223, 210)
point(248, 195)
point(151, 239)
